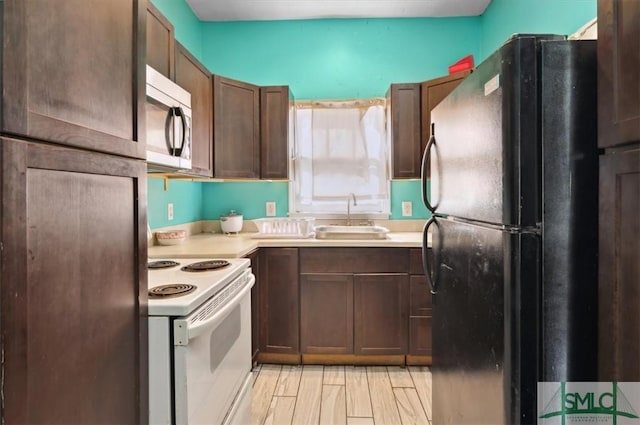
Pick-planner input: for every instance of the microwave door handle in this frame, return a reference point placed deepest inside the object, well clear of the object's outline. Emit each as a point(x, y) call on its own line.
point(169, 130)
point(183, 120)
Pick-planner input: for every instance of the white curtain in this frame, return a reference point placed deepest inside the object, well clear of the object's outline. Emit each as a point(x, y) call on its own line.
point(340, 148)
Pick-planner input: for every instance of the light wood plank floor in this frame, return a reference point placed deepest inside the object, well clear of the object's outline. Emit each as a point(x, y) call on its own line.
point(337, 395)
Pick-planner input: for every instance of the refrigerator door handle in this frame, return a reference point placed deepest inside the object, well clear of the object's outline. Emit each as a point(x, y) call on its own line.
point(425, 169)
point(432, 279)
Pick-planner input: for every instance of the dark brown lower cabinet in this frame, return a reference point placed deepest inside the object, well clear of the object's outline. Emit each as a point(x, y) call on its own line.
point(326, 313)
point(278, 298)
point(619, 267)
point(381, 316)
point(73, 286)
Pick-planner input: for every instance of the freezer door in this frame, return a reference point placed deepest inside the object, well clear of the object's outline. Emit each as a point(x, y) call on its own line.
point(468, 325)
point(485, 161)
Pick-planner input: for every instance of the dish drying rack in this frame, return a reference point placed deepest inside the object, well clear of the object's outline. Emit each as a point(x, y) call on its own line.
point(284, 228)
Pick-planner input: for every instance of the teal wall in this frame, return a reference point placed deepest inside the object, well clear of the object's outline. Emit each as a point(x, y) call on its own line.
point(338, 58)
point(247, 198)
point(187, 26)
point(506, 17)
point(335, 58)
point(408, 190)
point(186, 198)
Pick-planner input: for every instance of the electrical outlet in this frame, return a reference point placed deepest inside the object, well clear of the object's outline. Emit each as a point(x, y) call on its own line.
point(169, 211)
point(271, 209)
point(407, 209)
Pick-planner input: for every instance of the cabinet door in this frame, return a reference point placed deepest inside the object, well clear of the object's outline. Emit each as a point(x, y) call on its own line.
point(192, 76)
point(326, 313)
point(420, 340)
point(433, 92)
point(279, 316)
point(619, 267)
point(236, 128)
point(618, 70)
point(405, 129)
point(74, 286)
point(381, 313)
point(73, 73)
point(274, 132)
point(160, 42)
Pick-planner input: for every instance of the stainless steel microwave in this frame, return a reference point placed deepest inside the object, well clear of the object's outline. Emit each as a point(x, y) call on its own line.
point(168, 114)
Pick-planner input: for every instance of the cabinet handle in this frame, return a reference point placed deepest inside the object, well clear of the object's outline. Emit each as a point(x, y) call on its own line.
point(425, 169)
point(431, 278)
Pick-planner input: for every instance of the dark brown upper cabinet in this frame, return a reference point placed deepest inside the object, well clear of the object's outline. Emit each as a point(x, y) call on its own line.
point(194, 77)
point(618, 70)
point(73, 73)
point(160, 42)
point(274, 132)
point(404, 104)
point(410, 116)
point(236, 128)
point(432, 93)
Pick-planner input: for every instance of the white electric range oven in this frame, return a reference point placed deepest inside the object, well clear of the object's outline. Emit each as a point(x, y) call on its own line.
point(199, 338)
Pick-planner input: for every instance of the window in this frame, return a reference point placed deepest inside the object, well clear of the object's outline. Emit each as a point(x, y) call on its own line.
point(340, 148)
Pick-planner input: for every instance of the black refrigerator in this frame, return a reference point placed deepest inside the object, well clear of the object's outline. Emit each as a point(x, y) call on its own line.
point(513, 166)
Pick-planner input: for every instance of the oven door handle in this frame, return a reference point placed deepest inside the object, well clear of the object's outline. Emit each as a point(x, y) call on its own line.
point(184, 332)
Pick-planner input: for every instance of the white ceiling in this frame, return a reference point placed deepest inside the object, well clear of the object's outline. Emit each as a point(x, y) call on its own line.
point(263, 10)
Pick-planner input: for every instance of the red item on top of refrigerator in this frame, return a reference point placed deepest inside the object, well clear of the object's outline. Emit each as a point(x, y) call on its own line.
point(462, 65)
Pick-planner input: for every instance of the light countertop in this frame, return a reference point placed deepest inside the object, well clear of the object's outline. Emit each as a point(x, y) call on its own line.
point(217, 245)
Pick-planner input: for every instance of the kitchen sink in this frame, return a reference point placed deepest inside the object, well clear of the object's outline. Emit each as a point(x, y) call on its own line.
point(351, 232)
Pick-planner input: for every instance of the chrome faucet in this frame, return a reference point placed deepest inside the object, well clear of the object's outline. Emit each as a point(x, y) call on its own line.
point(355, 203)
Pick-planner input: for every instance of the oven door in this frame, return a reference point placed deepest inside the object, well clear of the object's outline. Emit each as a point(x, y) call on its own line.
point(212, 354)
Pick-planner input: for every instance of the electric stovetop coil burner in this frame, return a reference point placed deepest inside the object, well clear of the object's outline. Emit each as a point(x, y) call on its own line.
point(162, 264)
point(171, 290)
point(203, 266)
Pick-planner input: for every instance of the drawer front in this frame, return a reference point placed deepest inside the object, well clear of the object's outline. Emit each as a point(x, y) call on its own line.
point(420, 336)
point(354, 260)
point(415, 261)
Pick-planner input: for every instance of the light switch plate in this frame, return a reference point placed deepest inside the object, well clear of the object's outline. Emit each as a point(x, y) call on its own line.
point(270, 209)
point(407, 208)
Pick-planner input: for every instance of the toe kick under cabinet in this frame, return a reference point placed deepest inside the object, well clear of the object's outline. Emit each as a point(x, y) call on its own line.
point(356, 306)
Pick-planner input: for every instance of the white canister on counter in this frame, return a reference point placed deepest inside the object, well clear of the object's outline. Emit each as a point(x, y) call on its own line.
point(231, 223)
